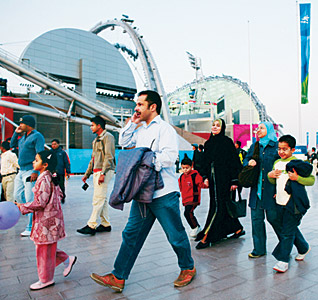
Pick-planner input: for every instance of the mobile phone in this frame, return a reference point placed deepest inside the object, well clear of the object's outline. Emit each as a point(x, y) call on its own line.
point(85, 186)
point(28, 179)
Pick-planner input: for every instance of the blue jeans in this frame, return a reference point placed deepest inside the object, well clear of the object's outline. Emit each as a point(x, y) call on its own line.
point(141, 218)
point(259, 229)
point(23, 191)
point(290, 235)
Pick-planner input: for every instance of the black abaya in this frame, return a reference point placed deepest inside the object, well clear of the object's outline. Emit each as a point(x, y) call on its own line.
point(221, 165)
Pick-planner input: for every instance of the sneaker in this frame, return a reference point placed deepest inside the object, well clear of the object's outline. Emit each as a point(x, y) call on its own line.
point(39, 285)
point(68, 269)
point(193, 232)
point(109, 280)
point(252, 255)
point(102, 228)
point(281, 267)
point(185, 277)
point(25, 233)
point(300, 257)
point(87, 230)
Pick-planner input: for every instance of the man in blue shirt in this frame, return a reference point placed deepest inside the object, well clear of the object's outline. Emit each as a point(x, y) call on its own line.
point(147, 129)
point(30, 143)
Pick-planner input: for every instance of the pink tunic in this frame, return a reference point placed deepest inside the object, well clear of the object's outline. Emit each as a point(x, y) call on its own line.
point(48, 221)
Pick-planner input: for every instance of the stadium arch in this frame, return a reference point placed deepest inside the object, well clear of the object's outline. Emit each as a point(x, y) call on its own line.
point(152, 76)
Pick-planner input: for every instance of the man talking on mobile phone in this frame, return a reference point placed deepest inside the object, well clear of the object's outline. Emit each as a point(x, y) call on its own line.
point(102, 165)
point(161, 138)
point(30, 143)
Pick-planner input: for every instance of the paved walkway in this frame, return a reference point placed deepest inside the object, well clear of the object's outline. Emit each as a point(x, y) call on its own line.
point(223, 271)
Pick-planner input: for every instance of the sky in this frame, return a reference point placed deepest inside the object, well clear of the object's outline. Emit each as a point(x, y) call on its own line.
point(216, 31)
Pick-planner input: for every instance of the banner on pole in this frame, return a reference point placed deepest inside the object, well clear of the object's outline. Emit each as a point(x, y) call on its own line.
point(304, 13)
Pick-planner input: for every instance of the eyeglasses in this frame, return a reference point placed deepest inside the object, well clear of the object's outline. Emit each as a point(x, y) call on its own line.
point(283, 149)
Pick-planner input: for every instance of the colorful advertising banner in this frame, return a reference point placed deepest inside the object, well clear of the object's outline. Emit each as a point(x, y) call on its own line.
point(304, 13)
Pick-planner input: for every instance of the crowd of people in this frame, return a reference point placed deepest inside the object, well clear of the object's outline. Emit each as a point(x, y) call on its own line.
point(35, 181)
point(279, 192)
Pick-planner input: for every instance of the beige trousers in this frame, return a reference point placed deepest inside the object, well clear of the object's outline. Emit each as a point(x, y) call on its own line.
point(8, 187)
point(100, 205)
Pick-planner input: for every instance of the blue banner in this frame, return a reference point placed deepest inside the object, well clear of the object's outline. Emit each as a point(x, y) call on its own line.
point(304, 13)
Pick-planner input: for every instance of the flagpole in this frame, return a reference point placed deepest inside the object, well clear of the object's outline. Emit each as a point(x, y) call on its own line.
point(299, 75)
point(250, 84)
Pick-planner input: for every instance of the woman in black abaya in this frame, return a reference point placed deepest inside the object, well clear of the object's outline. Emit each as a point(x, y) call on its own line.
point(220, 168)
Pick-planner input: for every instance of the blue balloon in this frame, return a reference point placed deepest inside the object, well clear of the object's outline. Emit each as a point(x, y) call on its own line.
point(9, 215)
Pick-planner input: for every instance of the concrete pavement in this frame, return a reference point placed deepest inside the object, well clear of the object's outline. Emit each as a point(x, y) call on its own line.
point(223, 271)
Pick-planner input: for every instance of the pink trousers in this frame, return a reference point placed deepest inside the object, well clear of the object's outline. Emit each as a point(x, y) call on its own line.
point(48, 257)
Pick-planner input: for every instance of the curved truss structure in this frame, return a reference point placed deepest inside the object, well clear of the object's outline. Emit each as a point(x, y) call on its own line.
point(152, 75)
point(263, 116)
point(260, 107)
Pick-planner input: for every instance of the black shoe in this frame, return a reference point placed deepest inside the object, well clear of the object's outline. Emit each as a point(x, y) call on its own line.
point(86, 230)
point(201, 245)
point(237, 234)
point(253, 255)
point(102, 228)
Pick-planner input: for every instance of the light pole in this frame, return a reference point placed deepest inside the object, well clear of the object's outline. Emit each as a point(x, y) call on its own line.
point(195, 63)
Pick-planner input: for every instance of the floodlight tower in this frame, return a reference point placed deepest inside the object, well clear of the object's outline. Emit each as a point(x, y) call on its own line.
point(195, 63)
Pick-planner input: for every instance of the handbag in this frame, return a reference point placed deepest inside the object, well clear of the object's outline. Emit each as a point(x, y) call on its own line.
point(236, 209)
point(248, 177)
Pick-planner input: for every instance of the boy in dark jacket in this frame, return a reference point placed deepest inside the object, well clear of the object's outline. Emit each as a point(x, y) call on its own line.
point(63, 165)
point(190, 184)
point(290, 176)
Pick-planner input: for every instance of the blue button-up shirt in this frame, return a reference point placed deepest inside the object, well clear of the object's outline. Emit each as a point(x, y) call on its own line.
point(163, 140)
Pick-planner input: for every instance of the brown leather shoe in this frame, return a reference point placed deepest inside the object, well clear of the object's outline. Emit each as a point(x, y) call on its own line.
point(109, 280)
point(185, 277)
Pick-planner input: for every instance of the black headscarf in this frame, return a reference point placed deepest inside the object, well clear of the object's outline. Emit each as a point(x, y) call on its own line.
point(217, 143)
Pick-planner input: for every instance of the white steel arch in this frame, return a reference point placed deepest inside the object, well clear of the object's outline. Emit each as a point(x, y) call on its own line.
point(152, 75)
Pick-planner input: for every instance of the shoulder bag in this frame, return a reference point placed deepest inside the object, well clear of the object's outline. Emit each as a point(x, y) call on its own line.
point(248, 177)
point(236, 209)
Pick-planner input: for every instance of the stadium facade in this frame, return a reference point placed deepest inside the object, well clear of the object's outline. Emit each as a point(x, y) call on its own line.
point(86, 63)
point(196, 104)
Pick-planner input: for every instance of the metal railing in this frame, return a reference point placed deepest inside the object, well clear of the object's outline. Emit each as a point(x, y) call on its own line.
point(26, 64)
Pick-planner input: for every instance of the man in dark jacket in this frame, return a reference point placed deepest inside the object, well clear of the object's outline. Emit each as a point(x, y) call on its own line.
point(196, 157)
point(63, 165)
point(240, 152)
point(313, 155)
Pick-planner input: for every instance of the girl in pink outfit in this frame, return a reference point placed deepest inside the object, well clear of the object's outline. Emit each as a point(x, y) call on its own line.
point(48, 222)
